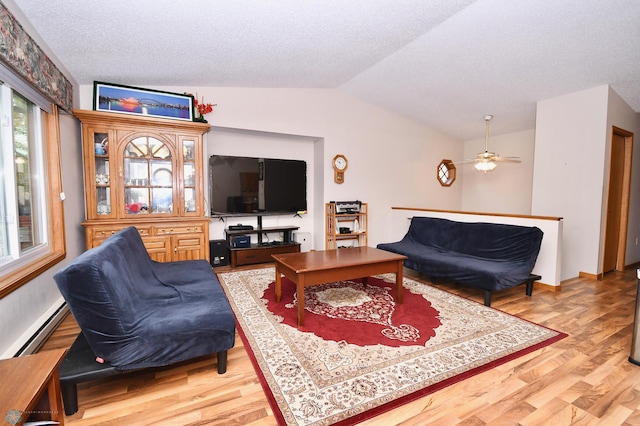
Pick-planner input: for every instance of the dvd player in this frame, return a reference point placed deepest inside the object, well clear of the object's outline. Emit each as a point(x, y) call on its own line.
point(240, 227)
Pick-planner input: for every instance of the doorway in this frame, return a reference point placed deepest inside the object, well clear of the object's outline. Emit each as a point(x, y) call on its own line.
point(615, 240)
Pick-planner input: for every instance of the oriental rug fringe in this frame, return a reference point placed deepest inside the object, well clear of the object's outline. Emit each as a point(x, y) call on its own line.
point(359, 353)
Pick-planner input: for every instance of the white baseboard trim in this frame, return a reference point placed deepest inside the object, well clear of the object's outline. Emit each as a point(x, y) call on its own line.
point(35, 336)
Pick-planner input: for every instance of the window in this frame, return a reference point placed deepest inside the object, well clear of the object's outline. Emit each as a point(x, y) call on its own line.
point(31, 231)
point(446, 172)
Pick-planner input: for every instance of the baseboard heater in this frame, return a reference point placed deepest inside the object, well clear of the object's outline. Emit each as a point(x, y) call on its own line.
point(42, 334)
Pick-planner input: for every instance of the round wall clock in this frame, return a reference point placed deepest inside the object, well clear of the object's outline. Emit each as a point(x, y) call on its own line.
point(339, 166)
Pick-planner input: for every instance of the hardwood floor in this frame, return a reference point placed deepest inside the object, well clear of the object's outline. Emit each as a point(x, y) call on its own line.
point(585, 379)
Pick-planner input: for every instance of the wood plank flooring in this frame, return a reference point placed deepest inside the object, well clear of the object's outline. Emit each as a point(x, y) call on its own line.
point(585, 379)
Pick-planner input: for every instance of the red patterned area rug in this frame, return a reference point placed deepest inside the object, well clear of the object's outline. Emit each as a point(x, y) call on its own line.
point(358, 353)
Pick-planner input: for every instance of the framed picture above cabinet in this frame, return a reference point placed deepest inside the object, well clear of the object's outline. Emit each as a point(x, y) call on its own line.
point(135, 100)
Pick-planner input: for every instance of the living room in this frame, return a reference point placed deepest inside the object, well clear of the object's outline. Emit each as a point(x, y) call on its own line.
point(392, 162)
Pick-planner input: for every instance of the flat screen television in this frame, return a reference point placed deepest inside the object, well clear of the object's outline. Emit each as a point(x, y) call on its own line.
point(250, 186)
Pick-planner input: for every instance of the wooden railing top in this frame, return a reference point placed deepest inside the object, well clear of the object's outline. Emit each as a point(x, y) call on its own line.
point(524, 216)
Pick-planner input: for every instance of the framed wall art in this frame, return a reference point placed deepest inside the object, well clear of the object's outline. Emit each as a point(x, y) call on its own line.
point(135, 100)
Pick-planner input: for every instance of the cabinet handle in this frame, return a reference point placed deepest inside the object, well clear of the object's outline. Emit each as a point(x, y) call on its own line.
point(120, 171)
point(175, 249)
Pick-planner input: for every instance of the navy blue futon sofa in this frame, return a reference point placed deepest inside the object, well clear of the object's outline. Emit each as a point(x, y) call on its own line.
point(137, 313)
point(489, 256)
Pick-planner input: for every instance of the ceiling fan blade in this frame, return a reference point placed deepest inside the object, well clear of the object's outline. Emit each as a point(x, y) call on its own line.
point(508, 159)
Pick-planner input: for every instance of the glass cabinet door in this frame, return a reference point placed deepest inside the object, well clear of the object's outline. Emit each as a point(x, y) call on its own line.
point(189, 175)
point(148, 177)
point(103, 173)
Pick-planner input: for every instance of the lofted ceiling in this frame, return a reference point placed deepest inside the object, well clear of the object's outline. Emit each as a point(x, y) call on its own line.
point(444, 63)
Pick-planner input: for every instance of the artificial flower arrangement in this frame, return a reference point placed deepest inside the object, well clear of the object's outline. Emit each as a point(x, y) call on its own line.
point(202, 108)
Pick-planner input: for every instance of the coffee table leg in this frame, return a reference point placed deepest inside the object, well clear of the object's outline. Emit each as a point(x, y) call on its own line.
point(300, 295)
point(399, 283)
point(278, 284)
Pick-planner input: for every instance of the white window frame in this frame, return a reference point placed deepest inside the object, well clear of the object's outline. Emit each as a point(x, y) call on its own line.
point(16, 257)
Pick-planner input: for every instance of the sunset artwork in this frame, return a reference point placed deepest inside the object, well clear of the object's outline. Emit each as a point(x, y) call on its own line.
point(130, 100)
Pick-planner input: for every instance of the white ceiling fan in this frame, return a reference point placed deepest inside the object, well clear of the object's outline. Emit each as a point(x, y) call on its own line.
point(486, 161)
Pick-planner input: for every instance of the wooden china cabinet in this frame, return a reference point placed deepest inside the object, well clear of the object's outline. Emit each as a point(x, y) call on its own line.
point(145, 172)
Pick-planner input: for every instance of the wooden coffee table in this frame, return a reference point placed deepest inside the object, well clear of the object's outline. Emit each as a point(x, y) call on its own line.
point(320, 267)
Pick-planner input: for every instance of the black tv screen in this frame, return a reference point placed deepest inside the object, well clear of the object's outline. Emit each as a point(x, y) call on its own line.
point(247, 185)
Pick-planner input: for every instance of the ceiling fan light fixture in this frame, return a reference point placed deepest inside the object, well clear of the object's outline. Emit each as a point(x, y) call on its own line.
point(485, 166)
point(488, 160)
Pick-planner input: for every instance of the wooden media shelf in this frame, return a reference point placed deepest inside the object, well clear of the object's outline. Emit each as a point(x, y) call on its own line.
point(260, 251)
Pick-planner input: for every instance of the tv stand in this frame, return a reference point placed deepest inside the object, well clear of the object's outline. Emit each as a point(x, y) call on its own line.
point(261, 251)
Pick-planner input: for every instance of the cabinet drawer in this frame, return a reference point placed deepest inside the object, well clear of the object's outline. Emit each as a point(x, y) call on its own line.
point(244, 257)
point(156, 243)
point(101, 233)
point(177, 229)
point(261, 254)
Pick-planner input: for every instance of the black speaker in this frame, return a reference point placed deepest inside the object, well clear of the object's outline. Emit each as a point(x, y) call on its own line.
point(219, 253)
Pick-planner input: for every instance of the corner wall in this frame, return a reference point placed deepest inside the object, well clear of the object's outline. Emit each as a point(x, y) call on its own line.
point(568, 173)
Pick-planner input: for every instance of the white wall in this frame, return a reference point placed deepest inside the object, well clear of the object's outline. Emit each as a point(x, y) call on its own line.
point(568, 177)
point(571, 172)
point(392, 160)
point(507, 189)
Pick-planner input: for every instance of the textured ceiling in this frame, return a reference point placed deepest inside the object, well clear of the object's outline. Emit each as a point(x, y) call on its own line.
point(445, 63)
